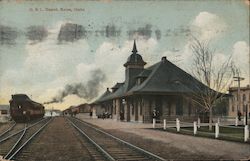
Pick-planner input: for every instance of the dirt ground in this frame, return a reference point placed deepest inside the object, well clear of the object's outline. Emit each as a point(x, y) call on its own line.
point(174, 146)
point(4, 126)
point(58, 141)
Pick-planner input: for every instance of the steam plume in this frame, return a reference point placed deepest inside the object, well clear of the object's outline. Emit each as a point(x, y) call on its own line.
point(88, 90)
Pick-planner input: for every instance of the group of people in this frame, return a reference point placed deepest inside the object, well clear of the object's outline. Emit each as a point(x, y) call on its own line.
point(155, 114)
point(240, 114)
point(105, 115)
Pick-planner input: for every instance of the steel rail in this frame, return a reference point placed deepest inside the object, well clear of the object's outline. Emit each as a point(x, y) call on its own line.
point(151, 155)
point(108, 156)
point(10, 128)
point(17, 142)
point(21, 130)
point(27, 141)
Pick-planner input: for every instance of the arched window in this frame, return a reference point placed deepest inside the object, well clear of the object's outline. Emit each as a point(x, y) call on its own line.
point(244, 97)
point(236, 97)
point(141, 104)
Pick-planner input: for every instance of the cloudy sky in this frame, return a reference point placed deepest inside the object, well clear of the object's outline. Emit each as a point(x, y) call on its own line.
point(70, 52)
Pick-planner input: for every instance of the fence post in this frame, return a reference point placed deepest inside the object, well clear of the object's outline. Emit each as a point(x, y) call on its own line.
point(195, 128)
point(236, 121)
point(244, 120)
point(199, 122)
point(164, 124)
point(217, 131)
point(246, 133)
point(218, 121)
point(177, 124)
point(153, 122)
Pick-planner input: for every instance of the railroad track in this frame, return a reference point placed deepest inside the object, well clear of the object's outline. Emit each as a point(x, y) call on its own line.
point(16, 127)
point(12, 145)
point(111, 147)
point(8, 130)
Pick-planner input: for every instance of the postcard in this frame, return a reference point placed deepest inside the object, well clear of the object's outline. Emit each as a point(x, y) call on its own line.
point(124, 80)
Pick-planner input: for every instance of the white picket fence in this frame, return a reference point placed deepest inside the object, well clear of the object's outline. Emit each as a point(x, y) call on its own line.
point(197, 124)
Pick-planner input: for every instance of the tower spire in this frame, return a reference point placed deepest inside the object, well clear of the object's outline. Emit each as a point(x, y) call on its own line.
point(134, 51)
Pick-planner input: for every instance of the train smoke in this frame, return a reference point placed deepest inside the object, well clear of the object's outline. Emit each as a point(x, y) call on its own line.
point(88, 90)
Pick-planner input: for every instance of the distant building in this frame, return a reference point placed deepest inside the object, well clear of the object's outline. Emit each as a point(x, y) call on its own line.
point(4, 113)
point(71, 110)
point(234, 105)
point(67, 111)
point(162, 88)
point(83, 108)
point(52, 113)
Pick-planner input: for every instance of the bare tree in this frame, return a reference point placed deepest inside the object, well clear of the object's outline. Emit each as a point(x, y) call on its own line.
point(216, 76)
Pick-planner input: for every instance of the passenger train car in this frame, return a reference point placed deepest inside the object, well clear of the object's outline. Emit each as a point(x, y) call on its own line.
point(23, 109)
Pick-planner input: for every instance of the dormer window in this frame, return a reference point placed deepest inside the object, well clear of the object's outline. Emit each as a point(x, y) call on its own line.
point(140, 80)
point(244, 97)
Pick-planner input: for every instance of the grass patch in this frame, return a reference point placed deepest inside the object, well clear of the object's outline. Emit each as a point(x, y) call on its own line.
point(226, 133)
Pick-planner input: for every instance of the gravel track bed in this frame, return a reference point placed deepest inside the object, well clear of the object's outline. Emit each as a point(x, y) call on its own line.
point(58, 141)
point(4, 126)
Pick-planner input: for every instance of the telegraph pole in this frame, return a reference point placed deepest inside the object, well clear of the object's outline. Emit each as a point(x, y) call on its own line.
point(248, 106)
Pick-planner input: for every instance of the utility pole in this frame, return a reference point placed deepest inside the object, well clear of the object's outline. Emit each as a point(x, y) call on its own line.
point(246, 114)
point(248, 106)
point(238, 79)
point(249, 68)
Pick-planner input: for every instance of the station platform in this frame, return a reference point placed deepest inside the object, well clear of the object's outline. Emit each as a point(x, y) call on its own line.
point(113, 124)
point(212, 148)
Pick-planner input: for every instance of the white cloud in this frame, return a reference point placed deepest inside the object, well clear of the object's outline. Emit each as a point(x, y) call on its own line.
point(83, 71)
point(241, 58)
point(47, 65)
point(218, 59)
point(110, 57)
point(49, 60)
point(207, 26)
point(182, 57)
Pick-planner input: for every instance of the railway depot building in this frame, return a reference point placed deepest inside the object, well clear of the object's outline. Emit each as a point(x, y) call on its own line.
point(163, 87)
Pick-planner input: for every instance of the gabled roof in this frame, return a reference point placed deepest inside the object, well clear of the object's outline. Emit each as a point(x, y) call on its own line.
point(145, 73)
point(117, 85)
point(102, 97)
point(161, 78)
point(167, 78)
